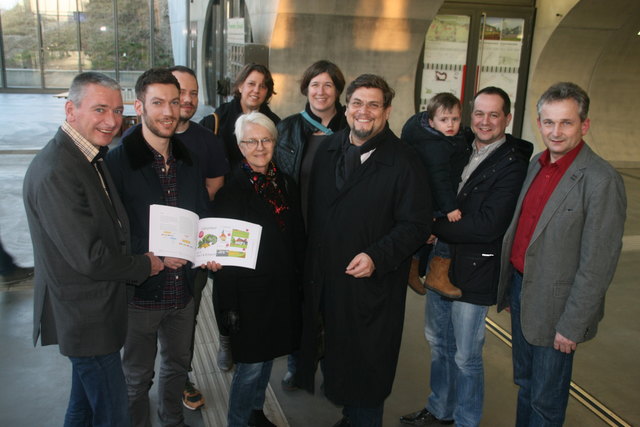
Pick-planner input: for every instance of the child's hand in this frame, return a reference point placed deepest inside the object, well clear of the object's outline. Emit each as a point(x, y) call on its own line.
point(454, 216)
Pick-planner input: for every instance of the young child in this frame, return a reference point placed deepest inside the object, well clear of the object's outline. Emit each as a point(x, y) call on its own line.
point(443, 148)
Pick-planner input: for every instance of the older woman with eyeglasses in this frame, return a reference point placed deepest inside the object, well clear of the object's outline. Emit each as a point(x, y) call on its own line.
point(261, 307)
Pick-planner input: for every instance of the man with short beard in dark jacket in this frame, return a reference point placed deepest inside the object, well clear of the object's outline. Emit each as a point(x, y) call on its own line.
point(487, 196)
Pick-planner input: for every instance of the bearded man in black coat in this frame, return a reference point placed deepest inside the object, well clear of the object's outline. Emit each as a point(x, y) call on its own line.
point(369, 210)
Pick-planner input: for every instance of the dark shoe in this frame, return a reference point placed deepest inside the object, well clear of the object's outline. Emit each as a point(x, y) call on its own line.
point(344, 422)
point(289, 382)
point(18, 275)
point(259, 419)
point(438, 278)
point(414, 278)
point(191, 397)
point(423, 418)
point(225, 359)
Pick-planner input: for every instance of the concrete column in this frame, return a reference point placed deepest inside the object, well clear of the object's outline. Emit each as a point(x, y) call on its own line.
point(596, 45)
point(360, 36)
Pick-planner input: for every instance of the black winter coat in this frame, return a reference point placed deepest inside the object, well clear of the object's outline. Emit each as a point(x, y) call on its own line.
point(382, 211)
point(228, 113)
point(444, 157)
point(139, 187)
point(293, 135)
point(267, 298)
point(487, 201)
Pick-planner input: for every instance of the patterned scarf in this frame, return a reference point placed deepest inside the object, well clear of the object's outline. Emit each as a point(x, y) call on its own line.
point(266, 186)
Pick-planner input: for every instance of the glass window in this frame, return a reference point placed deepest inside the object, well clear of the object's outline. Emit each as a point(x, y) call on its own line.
point(61, 53)
point(133, 40)
point(81, 35)
point(162, 52)
point(21, 46)
point(98, 36)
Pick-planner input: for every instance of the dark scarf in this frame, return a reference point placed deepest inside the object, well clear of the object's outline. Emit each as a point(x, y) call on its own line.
point(349, 159)
point(266, 186)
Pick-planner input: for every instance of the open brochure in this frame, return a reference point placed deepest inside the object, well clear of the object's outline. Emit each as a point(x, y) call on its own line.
point(180, 233)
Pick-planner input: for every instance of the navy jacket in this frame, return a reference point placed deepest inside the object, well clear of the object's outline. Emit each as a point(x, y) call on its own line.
point(139, 187)
point(444, 157)
point(487, 201)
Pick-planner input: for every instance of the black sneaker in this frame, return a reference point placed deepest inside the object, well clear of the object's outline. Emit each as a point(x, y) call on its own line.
point(423, 418)
point(259, 419)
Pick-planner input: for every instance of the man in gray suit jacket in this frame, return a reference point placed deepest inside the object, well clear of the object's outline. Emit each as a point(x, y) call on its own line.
point(80, 235)
point(559, 255)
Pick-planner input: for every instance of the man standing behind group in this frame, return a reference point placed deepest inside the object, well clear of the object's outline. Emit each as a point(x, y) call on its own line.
point(487, 196)
point(80, 235)
point(207, 147)
point(209, 152)
point(368, 213)
point(153, 167)
point(559, 255)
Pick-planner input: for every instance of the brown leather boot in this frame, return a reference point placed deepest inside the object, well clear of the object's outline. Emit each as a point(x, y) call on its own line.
point(414, 278)
point(438, 278)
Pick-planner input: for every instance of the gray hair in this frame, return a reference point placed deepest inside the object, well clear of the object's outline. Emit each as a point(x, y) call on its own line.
point(256, 118)
point(82, 80)
point(566, 90)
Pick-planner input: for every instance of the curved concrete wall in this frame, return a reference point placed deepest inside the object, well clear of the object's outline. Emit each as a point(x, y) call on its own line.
point(597, 46)
point(360, 36)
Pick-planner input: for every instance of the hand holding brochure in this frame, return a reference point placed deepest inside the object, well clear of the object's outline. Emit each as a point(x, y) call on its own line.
point(180, 233)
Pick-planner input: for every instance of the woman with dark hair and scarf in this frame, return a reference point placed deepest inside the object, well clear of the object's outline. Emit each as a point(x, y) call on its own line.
point(301, 134)
point(260, 308)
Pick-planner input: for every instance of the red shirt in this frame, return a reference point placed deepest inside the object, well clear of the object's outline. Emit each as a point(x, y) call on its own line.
point(534, 202)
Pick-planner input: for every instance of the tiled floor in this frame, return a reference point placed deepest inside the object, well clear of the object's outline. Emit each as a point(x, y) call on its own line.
point(35, 382)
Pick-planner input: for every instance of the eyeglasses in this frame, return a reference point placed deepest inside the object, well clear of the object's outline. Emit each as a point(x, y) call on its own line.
point(357, 104)
point(253, 143)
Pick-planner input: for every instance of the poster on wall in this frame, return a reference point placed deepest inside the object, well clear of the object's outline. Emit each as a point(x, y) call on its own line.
point(445, 56)
point(499, 55)
point(235, 30)
point(438, 78)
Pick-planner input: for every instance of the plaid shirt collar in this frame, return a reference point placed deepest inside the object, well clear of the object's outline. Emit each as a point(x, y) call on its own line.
point(89, 150)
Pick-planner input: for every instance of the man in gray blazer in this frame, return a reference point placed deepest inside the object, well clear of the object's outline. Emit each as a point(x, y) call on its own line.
point(80, 235)
point(559, 255)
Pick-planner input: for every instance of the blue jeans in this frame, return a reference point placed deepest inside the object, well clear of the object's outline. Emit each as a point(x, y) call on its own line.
point(441, 249)
point(543, 374)
point(292, 362)
point(364, 417)
point(98, 392)
point(247, 393)
point(455, 331)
